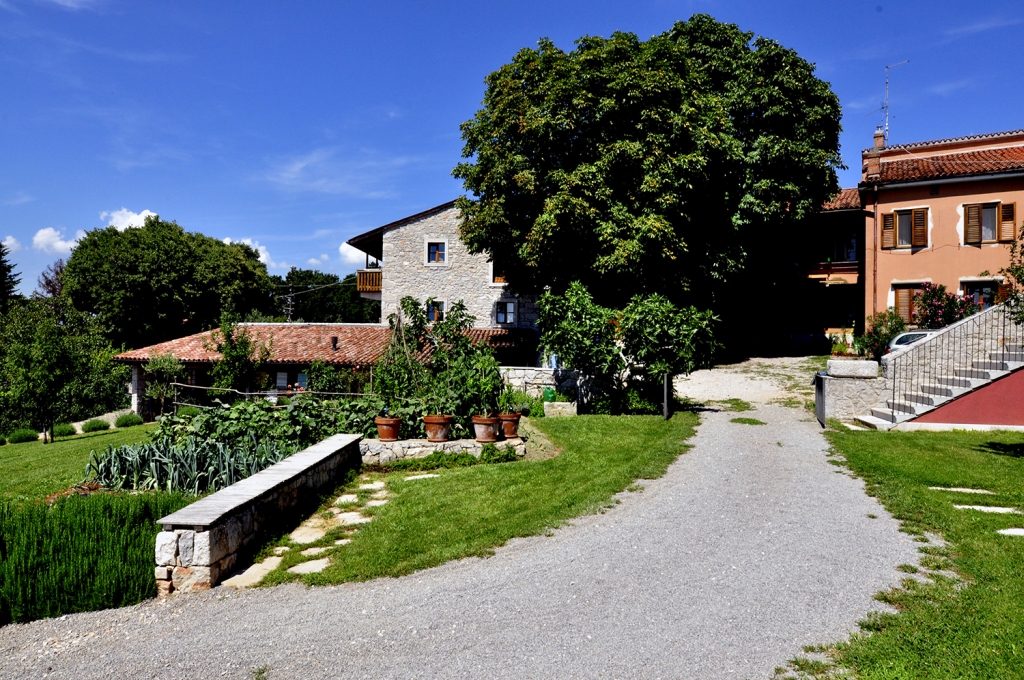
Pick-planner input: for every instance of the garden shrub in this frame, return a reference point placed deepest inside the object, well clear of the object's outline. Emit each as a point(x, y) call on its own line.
point(437, 459)
point(64, 430)
point(936, 308)
point(193, 466)
point(79, 554)
point(128, 420)
point(881, 329)
point(22, 436)
point(188, 411)
point(283, 401)
point(490, 454)
point(3, 440)
point(95, 425)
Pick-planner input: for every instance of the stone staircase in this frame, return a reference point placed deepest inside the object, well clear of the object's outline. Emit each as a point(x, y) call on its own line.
point(956, 361)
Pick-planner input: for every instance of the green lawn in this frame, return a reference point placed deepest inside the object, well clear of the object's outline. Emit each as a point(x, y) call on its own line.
point(966, 627)
point(471, 511)
point(33, 470)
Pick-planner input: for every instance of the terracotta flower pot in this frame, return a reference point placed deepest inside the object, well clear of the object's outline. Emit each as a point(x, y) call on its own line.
point(438, 428)
point(510, 424)
point(387, 428)
point(486, 428)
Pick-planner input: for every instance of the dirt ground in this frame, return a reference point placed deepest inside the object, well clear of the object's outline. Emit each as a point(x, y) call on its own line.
point(783, 380)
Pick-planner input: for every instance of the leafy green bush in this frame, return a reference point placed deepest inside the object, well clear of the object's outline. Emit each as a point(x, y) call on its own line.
point(79, 554)
point(188, 411)
point(95, 425)
point(437, 459)
point(22, 436)
point(283, 401)
point(194, 466)
point(882, 328)
point(3, 440)
point(936, 308)
point(490, 454)
point(64, 430)
point(128, 420)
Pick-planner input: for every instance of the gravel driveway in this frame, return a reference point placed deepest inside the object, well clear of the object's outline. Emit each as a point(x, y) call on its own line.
point(751, 546)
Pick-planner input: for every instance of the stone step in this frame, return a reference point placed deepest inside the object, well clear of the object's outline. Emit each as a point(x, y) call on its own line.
point(884, 414)
point(938, 390)
point(920, 398)
point(905, 408)
point(990, 365)
point(1013, 347)
point(954, 381)
point(973, 373)
point(874, 423)
point(1007, 356)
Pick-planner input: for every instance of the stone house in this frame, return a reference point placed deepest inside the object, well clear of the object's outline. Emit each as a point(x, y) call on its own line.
point(422, 256)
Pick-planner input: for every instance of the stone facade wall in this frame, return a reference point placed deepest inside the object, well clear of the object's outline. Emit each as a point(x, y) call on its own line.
point(846, 398)
point(188, 559)
point(376, 451)
point(534, 380)
point(464, 276)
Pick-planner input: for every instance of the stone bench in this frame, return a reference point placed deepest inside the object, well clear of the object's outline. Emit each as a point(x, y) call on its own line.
point(203, 541)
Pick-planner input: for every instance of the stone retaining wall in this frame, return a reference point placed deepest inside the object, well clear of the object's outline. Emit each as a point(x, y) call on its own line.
point(206, 540)
point(534, 380)
point(376, 451)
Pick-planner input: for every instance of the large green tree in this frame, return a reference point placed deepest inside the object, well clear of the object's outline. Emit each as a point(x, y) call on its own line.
point(320, 297)
point(9, 279)
point(640, 167)
point(159, 281)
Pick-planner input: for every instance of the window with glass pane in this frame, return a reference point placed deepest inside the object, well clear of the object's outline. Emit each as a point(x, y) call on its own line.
point(435, 252)
point(506, 312)
point(988, 222)
point(435, 311)
point(906, 228)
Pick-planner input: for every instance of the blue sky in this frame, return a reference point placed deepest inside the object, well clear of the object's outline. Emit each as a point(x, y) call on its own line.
point(295, 126)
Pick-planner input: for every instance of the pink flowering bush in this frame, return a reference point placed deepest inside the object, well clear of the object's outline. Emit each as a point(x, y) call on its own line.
point(934, 307)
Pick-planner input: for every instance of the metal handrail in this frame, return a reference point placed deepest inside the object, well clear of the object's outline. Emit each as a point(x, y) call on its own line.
point(948, 358)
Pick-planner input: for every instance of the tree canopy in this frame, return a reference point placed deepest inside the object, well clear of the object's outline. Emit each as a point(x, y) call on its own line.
point(640, 167)
point(320, 297)
point(9, 279)
point(157, 282)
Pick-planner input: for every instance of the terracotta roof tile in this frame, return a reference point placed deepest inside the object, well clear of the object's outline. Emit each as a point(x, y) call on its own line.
point(846, 199)
point(964, 164)
point(298, 343)
point(954, 140)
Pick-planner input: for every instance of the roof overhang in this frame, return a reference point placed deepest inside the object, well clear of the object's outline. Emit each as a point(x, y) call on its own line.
point(372, 242)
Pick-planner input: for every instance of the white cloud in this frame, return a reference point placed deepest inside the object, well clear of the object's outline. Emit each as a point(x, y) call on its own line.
point(73, 4)
point(50, 240)
point(350, 255)
point(124, 218)
point(318, 261)
point(21, 199)
point(321, 171)
point(262, 250)
point(12, 244)
point(980, 27)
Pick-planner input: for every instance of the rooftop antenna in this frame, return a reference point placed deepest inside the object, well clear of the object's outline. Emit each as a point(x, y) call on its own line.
point(885, 105)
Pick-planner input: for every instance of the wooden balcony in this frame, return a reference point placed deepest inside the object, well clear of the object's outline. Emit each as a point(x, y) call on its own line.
point(834, 272)
point(368, 280)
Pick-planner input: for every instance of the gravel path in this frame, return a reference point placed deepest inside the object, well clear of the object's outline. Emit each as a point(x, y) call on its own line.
point(750, 547)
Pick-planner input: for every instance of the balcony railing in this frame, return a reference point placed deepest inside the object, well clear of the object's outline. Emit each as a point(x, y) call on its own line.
point(368, 280)
point(829, 272)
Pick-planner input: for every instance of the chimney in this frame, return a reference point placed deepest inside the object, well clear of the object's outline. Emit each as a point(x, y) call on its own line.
point(334, 342)
point(879, 138)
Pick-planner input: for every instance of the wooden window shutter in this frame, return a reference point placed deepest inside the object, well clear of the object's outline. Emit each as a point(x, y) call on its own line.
point(904, 298)
point(1003, 293)
point(888, 230)
point(972, 220)
point(919, 236)
point(1007, 222)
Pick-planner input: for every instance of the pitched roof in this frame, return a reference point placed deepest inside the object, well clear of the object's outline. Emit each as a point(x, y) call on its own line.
point(372, 242)
point(963, 164)
point(846, 199)
point(304, 343)
point(953, 140)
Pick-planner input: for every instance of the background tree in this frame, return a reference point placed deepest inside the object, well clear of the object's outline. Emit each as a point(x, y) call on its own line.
point(243, 358)
point(9, 280)
point(659, 164)
point(49, 283)
point(157, 282)
point(319, 297)
point(161, 371)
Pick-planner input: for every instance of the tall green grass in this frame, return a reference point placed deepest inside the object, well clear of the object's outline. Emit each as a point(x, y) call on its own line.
point(79, 554)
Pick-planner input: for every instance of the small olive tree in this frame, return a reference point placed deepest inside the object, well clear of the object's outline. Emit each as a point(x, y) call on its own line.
point(161, 371)
point(243, 357)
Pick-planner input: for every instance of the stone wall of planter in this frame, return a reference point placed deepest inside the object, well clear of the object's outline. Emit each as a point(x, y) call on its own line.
point(206, 540)
point(376, 451)
point(534, 380)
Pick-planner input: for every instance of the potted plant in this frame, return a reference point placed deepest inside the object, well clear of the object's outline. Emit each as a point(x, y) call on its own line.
point(483, 386)
point(438, 426)
point(510, 410)
point(388, 426)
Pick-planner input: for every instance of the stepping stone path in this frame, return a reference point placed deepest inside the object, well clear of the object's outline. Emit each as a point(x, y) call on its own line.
point(309, 552)
point(961, 490)
point(989, 508)
point(1011, 532)
point(349, 518)
point(253, 574)
point(409, 479)
point(376, 503)
point(373, 486)
point(308, 534)
point(346, 498)
point(311, 567)
point(343, 541)
point(281, 549)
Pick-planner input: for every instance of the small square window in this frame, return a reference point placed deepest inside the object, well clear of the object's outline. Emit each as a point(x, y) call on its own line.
point(282, 380)
point(506, 312)
point(302, 380)
point(435, 311)
point(435, 252)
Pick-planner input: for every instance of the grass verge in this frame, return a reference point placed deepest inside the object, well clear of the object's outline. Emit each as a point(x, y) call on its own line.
point(964, 619)
point(470, 511)
point(747, 421)
point(33, 470)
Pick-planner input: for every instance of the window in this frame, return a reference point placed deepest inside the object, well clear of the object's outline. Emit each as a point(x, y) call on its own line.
point(506, 312)
point(990, 223)
point(436, 252)
point(983, 293)
point(905, 301)
point(905, 229)
point(435, 311)
point(302, 380)
point(282, 380)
